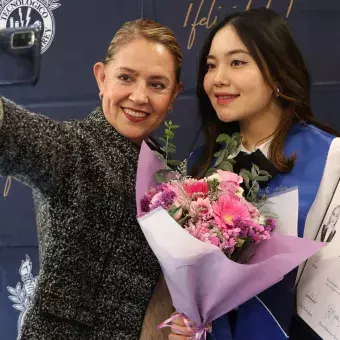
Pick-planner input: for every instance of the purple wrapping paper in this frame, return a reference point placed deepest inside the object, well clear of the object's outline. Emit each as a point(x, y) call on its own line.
point(204, 284)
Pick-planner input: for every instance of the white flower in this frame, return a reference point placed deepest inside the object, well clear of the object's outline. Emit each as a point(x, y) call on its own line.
point(239, 192)
point(261, 220)
point(214, 177)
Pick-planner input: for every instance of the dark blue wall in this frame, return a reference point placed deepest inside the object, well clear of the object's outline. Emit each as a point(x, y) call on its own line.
point(67, 89)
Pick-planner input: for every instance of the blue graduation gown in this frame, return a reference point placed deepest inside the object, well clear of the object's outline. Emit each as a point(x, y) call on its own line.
point(268, 316)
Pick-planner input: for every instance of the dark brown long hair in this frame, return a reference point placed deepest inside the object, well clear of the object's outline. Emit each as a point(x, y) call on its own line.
point(269, 41)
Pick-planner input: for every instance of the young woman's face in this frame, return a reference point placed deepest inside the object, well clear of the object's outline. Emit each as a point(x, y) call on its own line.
point(234, 83)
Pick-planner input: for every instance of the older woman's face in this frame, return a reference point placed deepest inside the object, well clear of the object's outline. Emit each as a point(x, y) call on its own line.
point(138, 87)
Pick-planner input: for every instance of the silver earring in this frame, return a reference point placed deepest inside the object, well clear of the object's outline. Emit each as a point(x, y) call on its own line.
point(277, 94)
point(170, 109)
point(100, 96)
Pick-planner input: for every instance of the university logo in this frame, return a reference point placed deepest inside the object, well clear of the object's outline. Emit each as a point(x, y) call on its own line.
point(22, 295)
point(23, 13)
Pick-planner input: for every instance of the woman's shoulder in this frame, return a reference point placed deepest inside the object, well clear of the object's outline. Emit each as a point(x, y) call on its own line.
point(309, 136)
point(312, 130)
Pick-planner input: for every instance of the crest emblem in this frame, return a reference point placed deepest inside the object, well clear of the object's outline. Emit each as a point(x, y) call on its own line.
point(22, 295)
point(23, 13)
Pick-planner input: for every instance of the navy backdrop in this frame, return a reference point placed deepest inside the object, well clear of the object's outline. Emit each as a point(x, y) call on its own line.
point(76, 35)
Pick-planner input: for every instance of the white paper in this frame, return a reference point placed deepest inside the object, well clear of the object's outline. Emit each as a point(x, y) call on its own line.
point(286, 206)
point(318, 291)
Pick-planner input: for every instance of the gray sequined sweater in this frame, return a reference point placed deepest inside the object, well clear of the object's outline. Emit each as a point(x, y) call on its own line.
point(97, 271)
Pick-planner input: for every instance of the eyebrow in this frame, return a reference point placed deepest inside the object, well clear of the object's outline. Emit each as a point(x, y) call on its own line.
point(153, 77)
point(126, 69)
point(228, 54)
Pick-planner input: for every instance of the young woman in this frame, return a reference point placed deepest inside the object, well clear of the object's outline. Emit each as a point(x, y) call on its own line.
point(253, 79)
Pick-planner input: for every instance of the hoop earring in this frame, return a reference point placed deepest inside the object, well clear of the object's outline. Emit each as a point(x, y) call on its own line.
point(100, 96)
point(170, 109)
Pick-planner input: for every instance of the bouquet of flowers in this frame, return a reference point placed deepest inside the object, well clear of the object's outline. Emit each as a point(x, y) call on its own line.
point(218, 238)
point(213, 210)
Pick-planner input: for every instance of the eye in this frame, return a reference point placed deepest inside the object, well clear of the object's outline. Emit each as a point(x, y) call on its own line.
point(210, 66)
point(157, 85)
point(125, 78)
point(237, 63)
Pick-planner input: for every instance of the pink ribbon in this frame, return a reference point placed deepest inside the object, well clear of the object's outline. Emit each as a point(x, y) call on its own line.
point(197, 333)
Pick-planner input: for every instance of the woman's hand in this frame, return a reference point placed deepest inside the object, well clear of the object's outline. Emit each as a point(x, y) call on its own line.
point(179, 330)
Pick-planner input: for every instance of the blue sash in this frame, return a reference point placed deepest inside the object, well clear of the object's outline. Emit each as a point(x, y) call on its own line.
point(268, 316)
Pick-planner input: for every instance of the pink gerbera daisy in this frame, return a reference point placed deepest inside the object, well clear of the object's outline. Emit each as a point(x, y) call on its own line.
point(228, 209)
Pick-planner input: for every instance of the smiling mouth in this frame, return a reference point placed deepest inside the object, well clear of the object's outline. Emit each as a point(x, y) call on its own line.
point(135, 115)
point(226, 98)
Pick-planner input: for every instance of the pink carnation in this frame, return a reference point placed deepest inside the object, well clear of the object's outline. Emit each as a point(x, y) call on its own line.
point(229, 188)
point(227, 176)
point(197, 189)
point(200, 209)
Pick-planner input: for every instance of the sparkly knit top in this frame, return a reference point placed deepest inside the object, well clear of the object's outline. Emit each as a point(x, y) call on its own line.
point(97, 272)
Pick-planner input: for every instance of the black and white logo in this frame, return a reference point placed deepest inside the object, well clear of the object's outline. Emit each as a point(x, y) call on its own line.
point(23, 13)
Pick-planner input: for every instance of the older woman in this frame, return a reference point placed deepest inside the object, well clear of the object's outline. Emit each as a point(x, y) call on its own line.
point(97, 272)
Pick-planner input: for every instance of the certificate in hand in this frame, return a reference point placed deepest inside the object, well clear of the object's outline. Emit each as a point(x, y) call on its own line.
point(318, 290)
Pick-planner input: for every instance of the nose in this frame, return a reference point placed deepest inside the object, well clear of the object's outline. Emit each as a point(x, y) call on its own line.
point(221, 77)
point(139, 94)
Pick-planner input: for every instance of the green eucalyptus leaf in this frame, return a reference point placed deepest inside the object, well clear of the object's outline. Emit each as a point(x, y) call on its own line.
point(174, 162)
point(264, 173)
point(173, 210)
point(261, 178)
point(236, 135)
point(234, 153)
point(256, 187)
point(220, 158)
point(160, 176)
point(171, 147)
point(234, 145)
point(159, 156)
point(165, 149)
point(226, 166)
point(222, 138)
point(183, 220)
point(253, 172)
point(169, 133)
point(174, 126)
point(257, 169)
point(246, 182)
point(210, 172)
point(217, 153)
point(246, 173)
